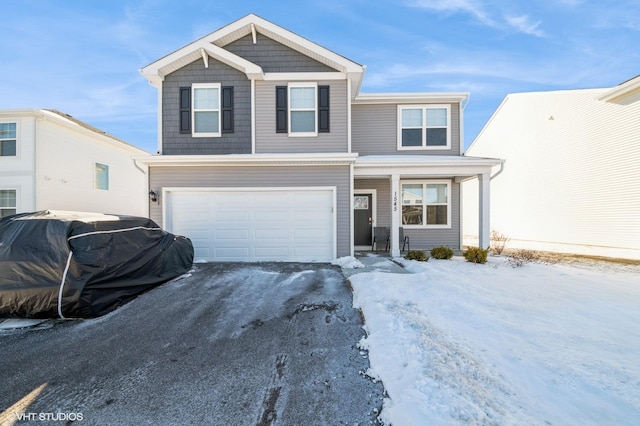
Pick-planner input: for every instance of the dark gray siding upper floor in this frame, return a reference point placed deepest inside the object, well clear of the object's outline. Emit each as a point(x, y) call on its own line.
point(273, 56)
point(375, 131)
point(238, 142)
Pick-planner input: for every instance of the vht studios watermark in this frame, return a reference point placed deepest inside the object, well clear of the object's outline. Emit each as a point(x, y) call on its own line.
point(54, 417)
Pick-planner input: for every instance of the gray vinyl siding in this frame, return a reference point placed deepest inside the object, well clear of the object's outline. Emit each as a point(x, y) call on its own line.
point(383, 198)
point(268, 141)
point(286, 176)
point(420, 239)
point(238, 142)
point(273, 56)
point(375, 131)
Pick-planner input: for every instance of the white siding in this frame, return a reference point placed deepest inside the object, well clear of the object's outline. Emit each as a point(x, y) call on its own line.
point(65, 177)
point(571, 175)
point(16, 173)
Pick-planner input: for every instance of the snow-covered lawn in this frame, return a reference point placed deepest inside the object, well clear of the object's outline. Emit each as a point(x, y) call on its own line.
point(458, 343)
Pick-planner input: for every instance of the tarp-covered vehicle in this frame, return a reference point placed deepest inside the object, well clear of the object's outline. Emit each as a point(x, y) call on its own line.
point(56, 264)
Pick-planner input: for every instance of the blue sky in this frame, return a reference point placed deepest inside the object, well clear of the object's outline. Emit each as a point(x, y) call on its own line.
point(82, 57)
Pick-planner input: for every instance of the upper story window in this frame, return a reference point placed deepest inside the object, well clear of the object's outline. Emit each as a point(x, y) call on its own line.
point(424, 127)
point(8, 201)
point(209, 107)
point(302, 109)
point(102, 176)
point(8, 140)
point(426, 204)
point(206, 109)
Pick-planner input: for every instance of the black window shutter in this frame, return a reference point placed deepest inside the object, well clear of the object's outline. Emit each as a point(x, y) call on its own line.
point(281, 109)
point(185, 110)
point(227, 109)
point(323, 109)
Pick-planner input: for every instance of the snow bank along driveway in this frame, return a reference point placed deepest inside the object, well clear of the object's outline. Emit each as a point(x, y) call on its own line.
point(458, 343)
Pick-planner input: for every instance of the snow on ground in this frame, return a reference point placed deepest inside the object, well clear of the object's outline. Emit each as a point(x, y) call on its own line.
point(348, 262)
point(458, 343)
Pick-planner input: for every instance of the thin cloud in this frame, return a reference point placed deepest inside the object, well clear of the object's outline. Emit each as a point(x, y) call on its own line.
point(523, 25)
point(470, 7)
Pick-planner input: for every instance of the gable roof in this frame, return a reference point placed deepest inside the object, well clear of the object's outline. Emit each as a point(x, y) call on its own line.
point(213, 45)
point(71, 122)
point(624, 93)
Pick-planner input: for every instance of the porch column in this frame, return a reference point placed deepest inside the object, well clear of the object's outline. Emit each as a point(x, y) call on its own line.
point(395, 215)
point(483, 218)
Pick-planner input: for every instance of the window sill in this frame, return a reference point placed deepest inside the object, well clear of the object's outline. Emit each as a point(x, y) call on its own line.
point(206, 135)
point(426, 226)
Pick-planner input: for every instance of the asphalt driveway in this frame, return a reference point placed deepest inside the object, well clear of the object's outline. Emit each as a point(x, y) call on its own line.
point(232, 344)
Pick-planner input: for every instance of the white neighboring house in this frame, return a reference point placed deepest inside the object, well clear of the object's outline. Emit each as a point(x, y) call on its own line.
point(52, 161)
point(571, 179)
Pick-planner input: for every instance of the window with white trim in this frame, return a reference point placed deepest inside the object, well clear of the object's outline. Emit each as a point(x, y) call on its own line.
point(424, 127)
point(303, 109)
point(426, 204)
point(8, 200)
point(8, 140)
point(205, 109)
point(102, 176)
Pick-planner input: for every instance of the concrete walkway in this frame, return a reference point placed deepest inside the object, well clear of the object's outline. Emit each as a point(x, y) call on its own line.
point(375, 262)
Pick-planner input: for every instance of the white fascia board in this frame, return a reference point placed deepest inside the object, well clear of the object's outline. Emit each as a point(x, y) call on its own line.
point(621, 90)
point(233, 160)
point(422, 171)
point(303, 45)
point(157, 70)
point(402, 98)
point(253, 71)
point(304, 76)
point(423, 160)
point(103, 137)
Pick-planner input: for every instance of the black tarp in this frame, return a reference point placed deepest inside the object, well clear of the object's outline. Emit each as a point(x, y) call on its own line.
point(83, 265)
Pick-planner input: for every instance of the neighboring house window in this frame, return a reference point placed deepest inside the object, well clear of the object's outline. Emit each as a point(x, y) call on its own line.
point(8, 204)
point(226, 109)
point(424, 127)
point(8, 140)
point(426, 204)
point(302, 109)
point(205, 111)
point(102, 176)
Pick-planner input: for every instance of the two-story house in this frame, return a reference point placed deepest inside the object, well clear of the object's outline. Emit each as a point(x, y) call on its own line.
point(52, 161)
point(267, 150)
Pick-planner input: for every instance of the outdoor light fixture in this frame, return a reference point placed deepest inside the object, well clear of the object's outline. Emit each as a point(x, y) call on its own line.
point(153, 196)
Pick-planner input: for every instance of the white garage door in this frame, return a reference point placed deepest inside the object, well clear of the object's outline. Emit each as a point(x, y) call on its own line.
point(255, 225)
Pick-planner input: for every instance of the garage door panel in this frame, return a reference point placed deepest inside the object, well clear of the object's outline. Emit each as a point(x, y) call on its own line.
point(292, 225)
point(271, 234)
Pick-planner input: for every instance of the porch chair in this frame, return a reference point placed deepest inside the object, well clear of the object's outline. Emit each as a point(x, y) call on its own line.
point(403, 239)
point(380, 236)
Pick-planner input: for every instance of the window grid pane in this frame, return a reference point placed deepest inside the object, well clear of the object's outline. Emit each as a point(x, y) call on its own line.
point(102, 176)
point(206, 98)
point(7, 198)
point(206, 122)
point(7, 130)
point(412, 215)
point(303, 121)
point(411, 118)
point(7, 148)
point(303, 97)
point(412, 194)
point(436, 117)
point(437, 193)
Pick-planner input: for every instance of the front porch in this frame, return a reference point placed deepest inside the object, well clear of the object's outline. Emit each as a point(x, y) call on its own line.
point(421, 195)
